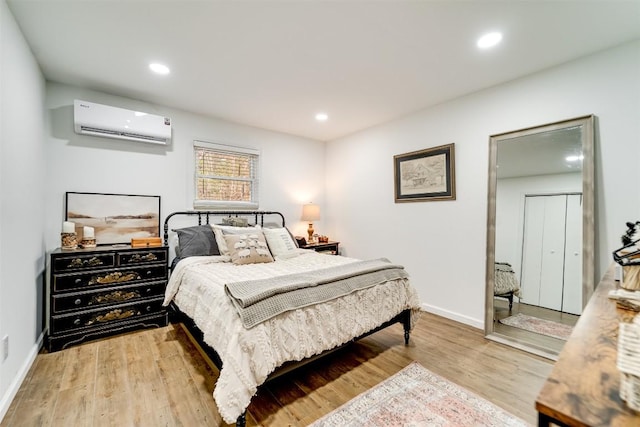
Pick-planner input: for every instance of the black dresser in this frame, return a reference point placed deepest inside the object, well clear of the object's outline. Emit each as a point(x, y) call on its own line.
point(94, 293)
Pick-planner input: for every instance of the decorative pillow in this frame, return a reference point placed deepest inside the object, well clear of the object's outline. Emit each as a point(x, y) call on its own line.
point(235, 221)
point(248, 248)
point(281, 243)
point(197, 241)
point(220, 230)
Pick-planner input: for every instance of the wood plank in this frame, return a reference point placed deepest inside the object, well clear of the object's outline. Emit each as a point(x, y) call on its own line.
point(37, 405)
point(158, 377)
point(80, 368)
point(74, 406)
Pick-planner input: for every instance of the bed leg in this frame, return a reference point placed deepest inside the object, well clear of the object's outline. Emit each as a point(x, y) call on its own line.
point(242, 420)
point(406, 323)
point(510, 297)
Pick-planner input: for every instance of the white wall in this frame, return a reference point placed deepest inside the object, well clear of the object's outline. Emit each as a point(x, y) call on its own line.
point(37, 122)
point(443, 244)
point(292, 168)
point(22, 210)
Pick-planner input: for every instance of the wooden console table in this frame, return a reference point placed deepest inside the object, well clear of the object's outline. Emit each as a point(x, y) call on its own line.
point(583, 387)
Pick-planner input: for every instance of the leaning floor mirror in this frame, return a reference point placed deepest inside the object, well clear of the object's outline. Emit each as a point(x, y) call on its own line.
point(540, 234)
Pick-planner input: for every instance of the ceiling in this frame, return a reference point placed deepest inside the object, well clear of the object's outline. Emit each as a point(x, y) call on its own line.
point(275, 64)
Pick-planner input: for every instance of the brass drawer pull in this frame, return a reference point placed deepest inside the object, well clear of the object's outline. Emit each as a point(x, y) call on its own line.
point(115, 296)
point(143, 258)
point(76, 322)
point(116, 314)
point(78, 301)
point(78, 281)
point(115, 277)
point(79, 262)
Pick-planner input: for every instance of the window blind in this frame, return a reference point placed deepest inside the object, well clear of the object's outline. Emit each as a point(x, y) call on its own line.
point(225, 176)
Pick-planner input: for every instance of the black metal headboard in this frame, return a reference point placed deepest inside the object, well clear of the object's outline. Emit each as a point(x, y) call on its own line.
point(206, 216)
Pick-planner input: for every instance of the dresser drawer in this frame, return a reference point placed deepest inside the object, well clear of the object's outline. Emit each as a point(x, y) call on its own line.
point(119, 276)
point(86, 300)
point(105, 316)
point(142, 257)
point(80, 262)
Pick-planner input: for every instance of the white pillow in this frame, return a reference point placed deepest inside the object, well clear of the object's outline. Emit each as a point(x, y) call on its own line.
point(220, 230)
point(280, 242)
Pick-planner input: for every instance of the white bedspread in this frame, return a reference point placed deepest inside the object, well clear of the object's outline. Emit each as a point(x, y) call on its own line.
point(250, 355)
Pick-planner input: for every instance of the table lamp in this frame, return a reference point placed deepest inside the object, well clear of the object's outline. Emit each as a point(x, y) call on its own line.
point(310, 213)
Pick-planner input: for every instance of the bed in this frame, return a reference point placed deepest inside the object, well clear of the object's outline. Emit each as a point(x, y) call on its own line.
point(259, 306)
point(506, 283)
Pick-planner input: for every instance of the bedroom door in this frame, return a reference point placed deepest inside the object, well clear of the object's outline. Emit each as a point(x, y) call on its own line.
point(551, 252)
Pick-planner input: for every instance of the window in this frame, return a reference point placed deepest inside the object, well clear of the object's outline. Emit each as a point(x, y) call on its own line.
point(225, 176)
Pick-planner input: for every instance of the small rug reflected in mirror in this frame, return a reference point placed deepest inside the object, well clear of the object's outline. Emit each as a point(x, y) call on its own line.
point(539, 326)
point(416, 396)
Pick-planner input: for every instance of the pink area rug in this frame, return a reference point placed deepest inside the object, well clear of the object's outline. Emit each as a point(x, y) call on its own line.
point(416, 396)
point(539, 326)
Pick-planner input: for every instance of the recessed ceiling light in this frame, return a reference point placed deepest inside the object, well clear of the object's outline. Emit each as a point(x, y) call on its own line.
point(322, 117)
point(574, 158)
point(489, 40)
point(159, 68)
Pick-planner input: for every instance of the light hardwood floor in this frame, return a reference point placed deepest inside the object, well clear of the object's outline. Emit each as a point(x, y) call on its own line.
point(158, 377)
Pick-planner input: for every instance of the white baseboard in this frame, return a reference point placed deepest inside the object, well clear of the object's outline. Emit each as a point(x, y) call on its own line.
point(479, 324)
point(11, 392)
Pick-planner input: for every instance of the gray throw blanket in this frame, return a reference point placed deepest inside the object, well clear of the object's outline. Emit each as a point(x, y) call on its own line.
point(261, 299)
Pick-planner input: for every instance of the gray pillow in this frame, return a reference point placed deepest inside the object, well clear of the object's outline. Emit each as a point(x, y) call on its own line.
point(198, 240)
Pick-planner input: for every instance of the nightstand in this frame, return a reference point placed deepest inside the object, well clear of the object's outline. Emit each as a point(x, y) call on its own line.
point(98, 292)
point(328, 247)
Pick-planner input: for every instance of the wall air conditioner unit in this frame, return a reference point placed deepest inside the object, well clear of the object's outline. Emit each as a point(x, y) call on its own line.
point(112, 122)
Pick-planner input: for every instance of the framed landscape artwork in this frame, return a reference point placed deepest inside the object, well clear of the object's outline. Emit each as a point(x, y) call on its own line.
point(425, 175)
point(115, 218)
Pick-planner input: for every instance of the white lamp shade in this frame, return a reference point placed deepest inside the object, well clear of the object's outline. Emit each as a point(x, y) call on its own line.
point(310, 212)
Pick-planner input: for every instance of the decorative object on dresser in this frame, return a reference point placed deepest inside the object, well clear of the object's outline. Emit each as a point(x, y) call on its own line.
point(115, 218)
point(146, 242)
point(628, 257)
point(310, 213)
point(68, 237)
point(328, 247)
point(425, 175)
point(94, 293)
point(628, 297)
point(629, 362)
point(584, 386)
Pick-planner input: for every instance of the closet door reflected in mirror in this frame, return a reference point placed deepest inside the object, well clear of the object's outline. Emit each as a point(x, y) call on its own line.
point(540, 234)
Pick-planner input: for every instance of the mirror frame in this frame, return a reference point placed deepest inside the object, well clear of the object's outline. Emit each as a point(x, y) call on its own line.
point(588, 232)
